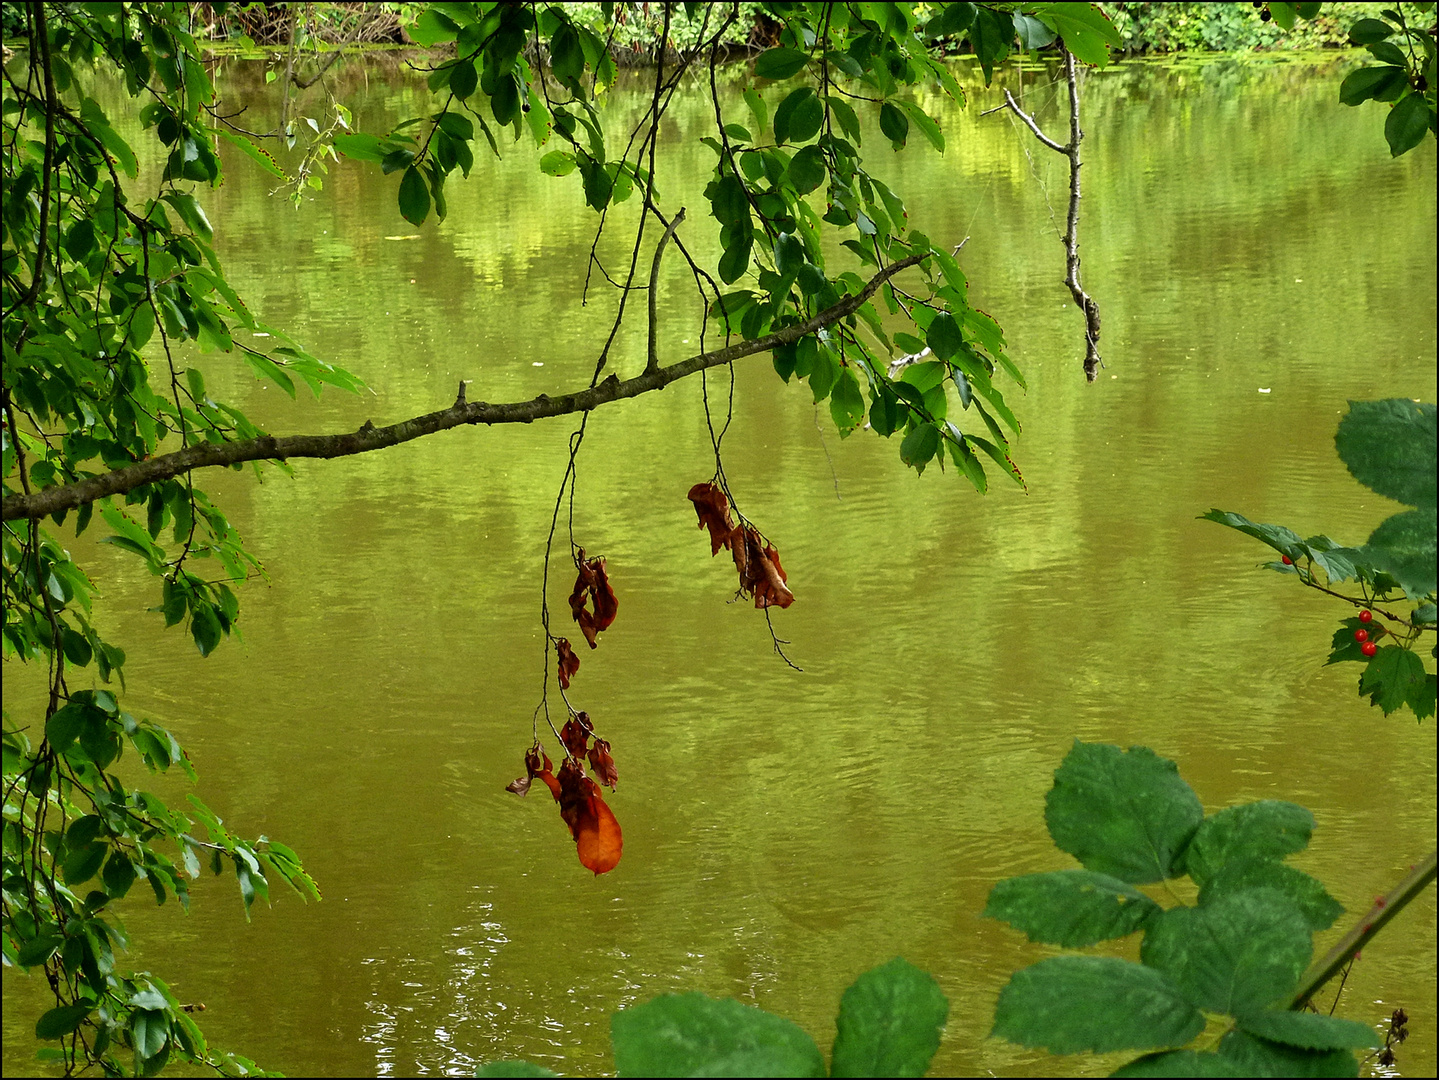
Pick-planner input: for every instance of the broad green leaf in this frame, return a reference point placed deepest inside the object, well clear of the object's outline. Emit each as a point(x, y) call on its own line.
point(729, 203)
point(806, 170)
point(1368, 31)
point(1126, 814)
point(414, 197)
point(1394, 676)
point(1238, 955)
point(1070, 907)
point(1252, 1056)
point(919, 446)
point(1308, 894)
point(361, 147)
point(943, 336)
point(780, 63)
point(1269, 829)
point(1309, 1031)
point(513, 1069)
point(54, 1023)
point(889, 1022)
point(1371, 82)
point(150, 1029)
point(1283, 540)
point(925, 123)
point(1073, 1004)
point(1389, 446)
point(846, 403)
point(693, 1035)
point(1086, 31)
point(1407, 124)
point(1403, 547)
point(1177, 1063)
point(894, 124)
point(788, 109)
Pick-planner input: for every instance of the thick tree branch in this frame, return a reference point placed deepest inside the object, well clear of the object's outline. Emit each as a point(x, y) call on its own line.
point(1087, 304)
point(53, 500)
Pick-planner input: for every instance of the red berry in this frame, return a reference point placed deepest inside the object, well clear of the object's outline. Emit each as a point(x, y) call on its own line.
point(1366, 616)
point(1287, 560)
point(1369, 648)
point(1361, 635)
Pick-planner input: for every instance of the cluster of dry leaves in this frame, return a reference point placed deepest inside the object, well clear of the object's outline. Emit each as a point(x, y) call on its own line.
point(596, 832)
point(760, 572)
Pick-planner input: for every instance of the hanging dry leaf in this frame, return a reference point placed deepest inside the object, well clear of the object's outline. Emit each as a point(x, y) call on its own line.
point(537, 764)
point(569, 663)
point(598, 840)
point(712, 509)
point(592, 588)
point(603, 764)
point(760, 572)
point(576, 734)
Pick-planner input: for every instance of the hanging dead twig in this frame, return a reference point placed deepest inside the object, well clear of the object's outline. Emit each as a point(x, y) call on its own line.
point(1070, 239)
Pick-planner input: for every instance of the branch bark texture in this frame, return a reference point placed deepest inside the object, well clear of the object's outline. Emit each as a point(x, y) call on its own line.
point(60, 498)
point(1070, 239)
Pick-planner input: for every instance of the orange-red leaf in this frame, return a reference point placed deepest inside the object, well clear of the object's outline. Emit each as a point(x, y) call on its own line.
point(569, 663)
point(537, 764)
point(603, 764)
point(712, 509)
point(598, 839)
point(760, 572)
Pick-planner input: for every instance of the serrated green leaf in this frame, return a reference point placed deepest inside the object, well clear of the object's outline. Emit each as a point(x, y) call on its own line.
point(691, 1035)
point(1180, 1063)
point(1070, 907)
point(1309, 1031)
point(1125, 1007)
point(889, 1023)
point(1308, 894)
point(1403, 546)
point(1253, 1056)
point(1269, 829)
point(1126, 814)
point(1389, 446)
point(1238, 955)
point(1394, 675)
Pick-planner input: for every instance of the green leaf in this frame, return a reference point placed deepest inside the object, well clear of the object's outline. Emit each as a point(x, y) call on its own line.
point(513, 1069)
point(1128, 815)
point(464, 79)
point(80, 866)
point(1389, 446)
point(735, 260)
point(1269, 829)
point(60, 1021)
point(925, 123)
point(1072, 1004)
point(150, 1030)
point(943, 336)
point(1253, 1056)
point(1238, 955)
point(1368, 31)
point(192, 213)
point(894, 124)
point(1309, 1031)
point(1308, 894)
point(205, 628)
point(1285, 541)
point(889, 1023)
point(691, 1034)
point(1403, 547)
point(785, 113)
point(1175, 1063)
point(1070, 907)
point(414, 197)
point(846, 403)
point(780, 63)
point(1087, 32)
point(806, 170)
point(1408, 122)
point(65, 725)
point(1371, 82)
point(1394, 675)
point(919, 446)
point(728, 201)
point(361, 147)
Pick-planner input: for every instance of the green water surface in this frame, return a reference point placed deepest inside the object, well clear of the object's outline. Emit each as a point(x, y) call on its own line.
point(1258, 258)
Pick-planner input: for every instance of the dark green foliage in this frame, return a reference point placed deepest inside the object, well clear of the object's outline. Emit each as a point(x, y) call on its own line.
point(889, 1023)
point(1239, 952)
point(1389, 446)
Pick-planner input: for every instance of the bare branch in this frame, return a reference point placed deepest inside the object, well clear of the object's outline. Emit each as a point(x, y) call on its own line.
point(1087, 304)
point(369, 437)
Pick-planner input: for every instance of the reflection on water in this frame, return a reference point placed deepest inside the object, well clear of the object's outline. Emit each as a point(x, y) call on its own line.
point(785, 832)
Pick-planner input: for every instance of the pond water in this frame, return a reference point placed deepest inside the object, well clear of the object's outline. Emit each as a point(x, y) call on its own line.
point(1259, 259)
